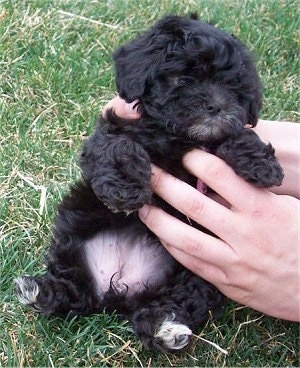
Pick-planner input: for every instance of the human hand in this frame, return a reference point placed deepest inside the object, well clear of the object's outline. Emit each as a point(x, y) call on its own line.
point(123, 109)
point(254, 260)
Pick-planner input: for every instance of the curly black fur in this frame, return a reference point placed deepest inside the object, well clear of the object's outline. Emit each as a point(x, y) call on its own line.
point(196, 87)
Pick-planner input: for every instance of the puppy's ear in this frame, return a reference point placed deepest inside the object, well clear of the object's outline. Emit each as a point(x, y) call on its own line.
point(137, 62)
point(254, 109)
point(253, 101)
point(250, 89)
point(136, 65)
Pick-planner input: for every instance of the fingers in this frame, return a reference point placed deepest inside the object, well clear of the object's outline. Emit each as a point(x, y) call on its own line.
point(210, 272)
point(122, 108)
point(193, 204)
point(185, 238)
point(222, 179)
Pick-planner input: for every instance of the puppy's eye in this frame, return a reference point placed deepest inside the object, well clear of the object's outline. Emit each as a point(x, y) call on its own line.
point(183, 81)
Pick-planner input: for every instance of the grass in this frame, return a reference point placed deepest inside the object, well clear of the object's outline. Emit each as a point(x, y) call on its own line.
point(56, 75)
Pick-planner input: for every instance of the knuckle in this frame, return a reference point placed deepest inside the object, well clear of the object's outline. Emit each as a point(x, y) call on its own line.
point(194, 207)
point(218, 171)
point(191, 245)
point(258, 213)
point(226, 280)
point(243, 277)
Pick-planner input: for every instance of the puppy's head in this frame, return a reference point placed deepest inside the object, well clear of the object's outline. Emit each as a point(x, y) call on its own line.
point(191, 78)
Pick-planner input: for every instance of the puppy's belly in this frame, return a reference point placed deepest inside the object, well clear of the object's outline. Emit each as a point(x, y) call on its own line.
point(126, 261)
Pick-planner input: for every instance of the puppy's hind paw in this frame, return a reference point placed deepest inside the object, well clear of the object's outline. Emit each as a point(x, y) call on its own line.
point(173, 335)
point(27, 290)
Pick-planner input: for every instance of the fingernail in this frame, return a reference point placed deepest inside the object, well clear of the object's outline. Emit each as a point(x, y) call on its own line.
point(143, 212)
point(129, 107)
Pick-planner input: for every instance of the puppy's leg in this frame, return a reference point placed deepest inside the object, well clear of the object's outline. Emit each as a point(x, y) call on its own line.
point(66, 287)
point(158, 329)
point(178, 309)
point(251, 159)
point(51, 296)
point(118, 169)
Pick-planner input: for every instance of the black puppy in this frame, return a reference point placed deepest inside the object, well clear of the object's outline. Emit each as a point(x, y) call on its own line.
point(196, 87)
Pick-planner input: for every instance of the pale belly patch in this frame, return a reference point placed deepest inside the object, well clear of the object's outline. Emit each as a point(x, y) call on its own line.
point(127, 261)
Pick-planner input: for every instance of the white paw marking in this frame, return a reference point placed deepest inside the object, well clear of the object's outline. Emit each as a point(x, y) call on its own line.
point(27, 290)
point(175, 335)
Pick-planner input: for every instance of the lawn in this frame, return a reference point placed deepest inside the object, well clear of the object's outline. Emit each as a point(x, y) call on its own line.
point(56, 74)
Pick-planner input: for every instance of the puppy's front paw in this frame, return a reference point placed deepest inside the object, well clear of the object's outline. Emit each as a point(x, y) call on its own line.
point(122, 197)
point(266, 171)
point(122, 174)
point(252, 159)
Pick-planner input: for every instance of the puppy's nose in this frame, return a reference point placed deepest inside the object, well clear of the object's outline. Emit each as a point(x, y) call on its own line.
point(213, 108)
